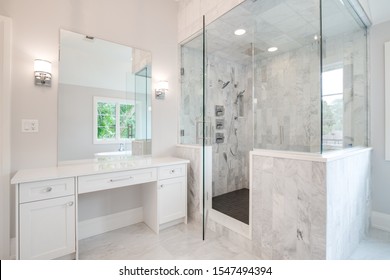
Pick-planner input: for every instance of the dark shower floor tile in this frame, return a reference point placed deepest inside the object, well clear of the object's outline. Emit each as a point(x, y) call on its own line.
point(234, 204)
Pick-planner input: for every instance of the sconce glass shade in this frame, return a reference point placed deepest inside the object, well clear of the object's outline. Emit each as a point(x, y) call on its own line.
point(161, 89)
point(42, 72)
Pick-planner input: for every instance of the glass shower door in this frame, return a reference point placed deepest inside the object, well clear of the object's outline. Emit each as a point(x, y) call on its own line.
point(230, 51)
point(194, 130)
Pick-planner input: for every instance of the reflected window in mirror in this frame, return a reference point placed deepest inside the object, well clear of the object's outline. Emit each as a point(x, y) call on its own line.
point(114, 120)
point(91, 68)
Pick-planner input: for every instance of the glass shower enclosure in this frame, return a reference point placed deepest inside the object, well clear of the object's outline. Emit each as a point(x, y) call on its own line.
point(273, 75)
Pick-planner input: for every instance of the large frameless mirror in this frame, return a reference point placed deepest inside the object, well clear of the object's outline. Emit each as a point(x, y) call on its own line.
point(104, 104)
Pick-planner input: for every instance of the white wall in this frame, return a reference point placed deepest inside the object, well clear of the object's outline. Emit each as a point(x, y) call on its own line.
point(149, 25)
point(146, 24)
point(5, 139)
point(379, 34)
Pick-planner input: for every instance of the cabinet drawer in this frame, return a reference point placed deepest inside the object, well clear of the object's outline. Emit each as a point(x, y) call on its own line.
point(172, 171)
point(45, 189)
point(115, 179)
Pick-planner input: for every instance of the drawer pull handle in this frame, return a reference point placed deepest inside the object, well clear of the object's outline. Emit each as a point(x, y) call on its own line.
point(48, 189)
point(172, 171)
point(121, 179)
point(70, 203)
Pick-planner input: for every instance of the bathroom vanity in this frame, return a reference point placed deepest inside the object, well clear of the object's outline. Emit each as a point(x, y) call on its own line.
point(47, 200)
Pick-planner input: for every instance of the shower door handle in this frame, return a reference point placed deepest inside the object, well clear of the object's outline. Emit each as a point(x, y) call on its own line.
point(281, 134)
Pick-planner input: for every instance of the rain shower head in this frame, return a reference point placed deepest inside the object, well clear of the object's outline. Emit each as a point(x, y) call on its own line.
point(224, 84)
point(255, 51)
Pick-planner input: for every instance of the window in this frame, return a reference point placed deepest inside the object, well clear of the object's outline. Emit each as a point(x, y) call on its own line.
point(332, 109)
point(114, 120)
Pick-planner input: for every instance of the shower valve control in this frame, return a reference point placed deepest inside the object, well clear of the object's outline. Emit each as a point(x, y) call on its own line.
point(219, 138)
point(219, 110)
point(220, 124)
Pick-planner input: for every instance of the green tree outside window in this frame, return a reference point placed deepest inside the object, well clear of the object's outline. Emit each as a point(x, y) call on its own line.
point(115, 120)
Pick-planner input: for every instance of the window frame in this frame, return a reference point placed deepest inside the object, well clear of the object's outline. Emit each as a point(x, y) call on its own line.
point(117, 102)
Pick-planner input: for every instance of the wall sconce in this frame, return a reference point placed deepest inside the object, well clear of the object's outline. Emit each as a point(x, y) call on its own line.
point(42, 72)
point(161, 89)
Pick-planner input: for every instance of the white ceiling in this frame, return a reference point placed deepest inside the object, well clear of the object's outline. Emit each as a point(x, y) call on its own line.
point(287, 25)
point(377, 10)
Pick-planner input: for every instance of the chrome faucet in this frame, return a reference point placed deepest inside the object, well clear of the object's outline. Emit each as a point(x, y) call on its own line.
point(121, 147)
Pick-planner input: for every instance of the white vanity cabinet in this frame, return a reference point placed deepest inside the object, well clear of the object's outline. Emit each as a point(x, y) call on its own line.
point(47, 201)
point(47, 218)
point(172, 194)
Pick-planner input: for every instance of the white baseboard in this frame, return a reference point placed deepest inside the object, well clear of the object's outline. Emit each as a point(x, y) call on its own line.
point(107, 223)
point(380, 221)
point(172, 223)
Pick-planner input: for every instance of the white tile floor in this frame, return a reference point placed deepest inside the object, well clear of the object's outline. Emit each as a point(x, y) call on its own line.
point(177, 242)
point(376, 246)
point(185, 242)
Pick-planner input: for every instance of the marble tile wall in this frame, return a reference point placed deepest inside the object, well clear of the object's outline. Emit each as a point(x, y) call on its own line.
point(348, 207)
point(191, 99)
point(289, 208)
point(310, 209)
point(194, 180)
point(230, 158)
point(194, 153)
point(289, 196)
point(287, 92)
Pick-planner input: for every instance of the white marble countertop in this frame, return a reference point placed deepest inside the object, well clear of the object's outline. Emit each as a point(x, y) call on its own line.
point(82, 168)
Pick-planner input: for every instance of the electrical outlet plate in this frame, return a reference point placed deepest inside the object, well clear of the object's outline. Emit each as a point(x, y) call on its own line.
point(30, 126)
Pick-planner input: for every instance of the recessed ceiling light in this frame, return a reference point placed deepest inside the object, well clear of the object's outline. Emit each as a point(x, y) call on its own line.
point(240, 32)
point(315, 37)
point(272, 49)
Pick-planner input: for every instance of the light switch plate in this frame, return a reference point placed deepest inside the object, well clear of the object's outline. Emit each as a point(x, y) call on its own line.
point(30, 126)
